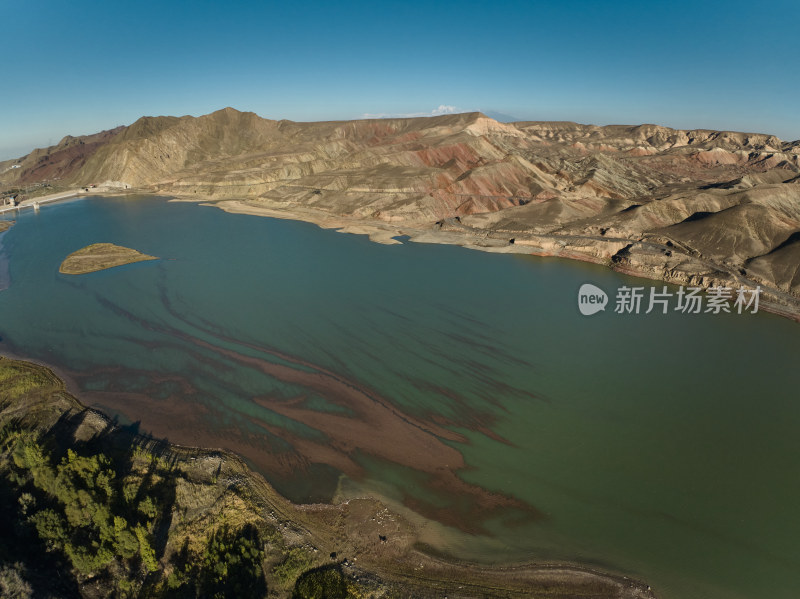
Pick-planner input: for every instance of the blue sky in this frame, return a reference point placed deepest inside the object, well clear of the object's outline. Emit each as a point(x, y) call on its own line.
point(82, 66)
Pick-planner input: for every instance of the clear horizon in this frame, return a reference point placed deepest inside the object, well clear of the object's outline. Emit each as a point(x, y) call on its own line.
point(93, 66)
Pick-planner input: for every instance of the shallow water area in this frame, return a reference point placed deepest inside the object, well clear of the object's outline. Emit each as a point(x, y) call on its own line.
point(461, 386)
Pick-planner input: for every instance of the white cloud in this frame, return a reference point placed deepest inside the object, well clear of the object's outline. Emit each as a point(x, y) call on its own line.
point(442, 109)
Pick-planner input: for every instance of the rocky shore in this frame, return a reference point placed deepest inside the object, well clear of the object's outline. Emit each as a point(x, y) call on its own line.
point(359, 545)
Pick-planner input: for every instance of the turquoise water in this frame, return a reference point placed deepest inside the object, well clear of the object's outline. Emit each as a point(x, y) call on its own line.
point(663, 447)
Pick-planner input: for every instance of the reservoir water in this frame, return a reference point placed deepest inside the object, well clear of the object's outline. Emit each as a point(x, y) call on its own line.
point(462, 387)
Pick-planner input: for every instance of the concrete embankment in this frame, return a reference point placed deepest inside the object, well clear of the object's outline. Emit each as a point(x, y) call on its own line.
point(33, 202)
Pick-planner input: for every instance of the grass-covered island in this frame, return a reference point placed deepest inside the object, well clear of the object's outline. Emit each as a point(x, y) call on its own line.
point(89, 508)
point(100, 256)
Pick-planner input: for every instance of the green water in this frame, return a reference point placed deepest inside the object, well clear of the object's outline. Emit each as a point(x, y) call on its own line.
point(663, 447)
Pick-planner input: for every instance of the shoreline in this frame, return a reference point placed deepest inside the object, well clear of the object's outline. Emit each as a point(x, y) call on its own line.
point(349, 528)
point(76, 193)
point(600, 252)
point(47, 199)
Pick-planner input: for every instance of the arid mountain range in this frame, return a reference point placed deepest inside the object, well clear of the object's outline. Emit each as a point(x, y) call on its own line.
point(699, 207)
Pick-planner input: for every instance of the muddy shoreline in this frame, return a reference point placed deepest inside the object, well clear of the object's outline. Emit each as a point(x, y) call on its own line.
point(370, 541)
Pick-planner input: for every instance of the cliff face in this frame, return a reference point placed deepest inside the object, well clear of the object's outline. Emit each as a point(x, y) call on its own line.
point(720, 204)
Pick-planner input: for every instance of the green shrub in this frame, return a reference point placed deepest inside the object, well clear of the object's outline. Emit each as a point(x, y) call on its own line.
point(321, 583)
point(297, 561)
point(145, 550)
point(232, 564)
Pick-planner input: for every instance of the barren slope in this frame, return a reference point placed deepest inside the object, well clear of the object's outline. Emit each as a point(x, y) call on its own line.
point(698, 206)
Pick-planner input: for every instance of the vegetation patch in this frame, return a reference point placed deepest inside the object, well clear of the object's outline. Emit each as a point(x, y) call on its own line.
point(322, 583)
point(296, 562)
point(91, 509)
point(104, 511)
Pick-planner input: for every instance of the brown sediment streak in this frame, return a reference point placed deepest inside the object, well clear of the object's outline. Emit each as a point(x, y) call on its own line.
point(468, 506)
point(470, 418)
point(160, 418)
point(183, 423)
point(326, 382)
point(370, 408)
point(187, 425)
point(321, 379)
point(473, 422)
point(377, 428)
point(477, 369)
point(373, 426)
point(81, 377)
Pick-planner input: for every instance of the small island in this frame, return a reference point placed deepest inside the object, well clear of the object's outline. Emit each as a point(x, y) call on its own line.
point(100, 256)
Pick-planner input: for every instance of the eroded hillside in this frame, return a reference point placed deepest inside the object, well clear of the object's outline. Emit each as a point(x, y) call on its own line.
point(701, 207)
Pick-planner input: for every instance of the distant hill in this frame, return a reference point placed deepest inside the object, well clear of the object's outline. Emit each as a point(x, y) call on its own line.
point(716, 206)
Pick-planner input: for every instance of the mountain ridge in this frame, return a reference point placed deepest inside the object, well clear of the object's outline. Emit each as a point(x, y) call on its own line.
point(561, 188)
